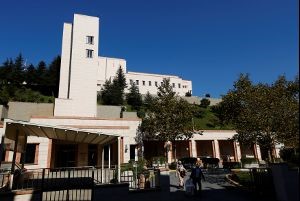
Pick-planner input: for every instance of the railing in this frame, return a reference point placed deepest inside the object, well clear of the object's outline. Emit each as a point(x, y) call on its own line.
point(148, 179)
point(64, 178)
point(262, 181)
point(4, 180)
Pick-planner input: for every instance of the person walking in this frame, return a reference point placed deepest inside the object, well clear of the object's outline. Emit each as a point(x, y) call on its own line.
point(181, 172)
point(196, 176)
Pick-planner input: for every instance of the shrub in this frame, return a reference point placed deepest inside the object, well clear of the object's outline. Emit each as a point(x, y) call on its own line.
point(173, 166)
point(249, 160)
point(231, 165)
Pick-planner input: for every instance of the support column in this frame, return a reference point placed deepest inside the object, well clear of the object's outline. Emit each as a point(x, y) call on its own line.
point(217, 149)
point(119, 159)
point(194, 148)
point(258, 153)
point(24, 151)
point(109, 156)
point(14, 160)
point(238, 151)
point(102, 165)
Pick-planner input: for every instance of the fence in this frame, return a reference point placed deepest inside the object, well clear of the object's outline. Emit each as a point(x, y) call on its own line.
point(262, 182)
point(148, 179)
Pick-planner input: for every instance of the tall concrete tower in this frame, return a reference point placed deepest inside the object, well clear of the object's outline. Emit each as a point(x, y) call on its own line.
point(78, 74)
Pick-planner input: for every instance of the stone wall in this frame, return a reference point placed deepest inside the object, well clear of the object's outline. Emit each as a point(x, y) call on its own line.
point(23, 110)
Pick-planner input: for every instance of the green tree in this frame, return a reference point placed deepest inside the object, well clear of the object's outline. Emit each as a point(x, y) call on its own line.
point(168, 118)
point(42, 73)
point(17, 73)
point(31, 75)
point(262, 113)
point(204, 103)
point(112, 93)
point(53, 75)
point(134, 98)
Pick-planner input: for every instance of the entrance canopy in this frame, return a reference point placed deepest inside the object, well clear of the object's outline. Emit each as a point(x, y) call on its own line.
point(22, 129)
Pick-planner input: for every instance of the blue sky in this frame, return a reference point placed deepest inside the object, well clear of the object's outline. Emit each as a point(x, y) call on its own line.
point(207, 41)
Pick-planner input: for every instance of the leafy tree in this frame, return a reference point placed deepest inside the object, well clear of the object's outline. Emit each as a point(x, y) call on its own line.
point(207, 95)
point(31, 75)
point(113, 93)
point(188, 94)
point(262, 113)
point(53, 75)
point(17, 74)
point(134, 98)
point(204, 103)
point(168, 118)
point(42, 74)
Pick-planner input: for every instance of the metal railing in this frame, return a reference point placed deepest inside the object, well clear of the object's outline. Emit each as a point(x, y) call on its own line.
point(4, 180)
point(148, 179)
point(262, 181)
point(64, 178)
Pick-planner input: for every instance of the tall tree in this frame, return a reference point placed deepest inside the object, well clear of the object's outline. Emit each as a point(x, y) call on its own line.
point(134, 98)
point(169, 117)
point(42, 73)
point(53, 75)
point(17, 74)
point(262, 113)
point(113, 93)
point(31, 75)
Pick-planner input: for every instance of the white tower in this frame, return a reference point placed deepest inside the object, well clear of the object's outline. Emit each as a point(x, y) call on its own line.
point(78, 74)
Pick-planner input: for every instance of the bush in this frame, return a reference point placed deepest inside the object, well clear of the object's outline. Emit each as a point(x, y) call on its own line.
point(159, 160)
point(210, 162)
point(248, 160)
point(291, 156)
point(231, 165)
point(173, 166)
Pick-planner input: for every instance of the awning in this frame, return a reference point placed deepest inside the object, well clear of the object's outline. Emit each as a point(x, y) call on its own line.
point(56, 132)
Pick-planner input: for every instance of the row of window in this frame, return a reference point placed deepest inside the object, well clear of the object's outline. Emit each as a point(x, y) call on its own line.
point(137, 82)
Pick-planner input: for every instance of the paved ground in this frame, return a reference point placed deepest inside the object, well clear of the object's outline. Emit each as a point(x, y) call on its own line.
point(215, 188)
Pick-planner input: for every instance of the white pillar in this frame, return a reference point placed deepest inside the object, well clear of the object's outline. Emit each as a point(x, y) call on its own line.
point(238, 151)
point(217, 149)
point(194, 148)
point(258, 152)
point(109, 156)
point(102, 166)
point(119, 159)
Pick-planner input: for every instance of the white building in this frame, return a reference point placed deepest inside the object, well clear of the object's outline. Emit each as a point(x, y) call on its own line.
point(73, 127)
point(80, 51)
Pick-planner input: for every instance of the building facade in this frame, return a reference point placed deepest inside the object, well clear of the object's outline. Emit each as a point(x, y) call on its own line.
point(53, 130)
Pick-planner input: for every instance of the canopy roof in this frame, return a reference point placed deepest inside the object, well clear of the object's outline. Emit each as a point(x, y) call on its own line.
point(56, 132)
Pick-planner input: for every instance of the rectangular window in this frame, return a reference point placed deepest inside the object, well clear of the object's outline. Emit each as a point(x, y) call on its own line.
point(179, 85)
point(144, 83)
point(131, 82)
point(90, 40)
point(149, 83)
point(89, 53)
point(137, 82)
point(173, 84)
point(156, 84)
point(31, 154)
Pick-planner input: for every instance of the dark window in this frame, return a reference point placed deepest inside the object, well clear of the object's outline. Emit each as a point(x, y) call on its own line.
point(179, 85)
point(90, 40)
point(89, 53)
point(137, 82)
point(132, 152)
point(173, 84)
point(144, 83)
point(149, 83)
point(156, 84)
point(30, 153)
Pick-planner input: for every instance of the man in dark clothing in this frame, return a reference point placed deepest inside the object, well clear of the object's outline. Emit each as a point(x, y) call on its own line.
point(196, 176)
